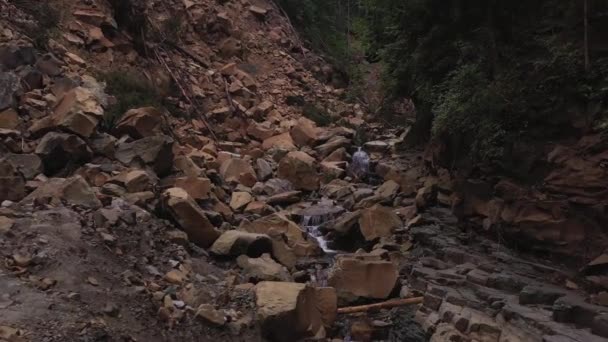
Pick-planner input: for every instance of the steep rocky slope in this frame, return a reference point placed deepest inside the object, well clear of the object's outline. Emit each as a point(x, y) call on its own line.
point(212, 214)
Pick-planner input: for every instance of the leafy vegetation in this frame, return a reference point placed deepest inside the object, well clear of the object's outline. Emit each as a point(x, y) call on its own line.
point(130, 92)
point(46, 16)
point(483, 74)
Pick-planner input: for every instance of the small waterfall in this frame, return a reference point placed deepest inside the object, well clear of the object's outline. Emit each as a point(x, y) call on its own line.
point(359, 167)
point(311, 224)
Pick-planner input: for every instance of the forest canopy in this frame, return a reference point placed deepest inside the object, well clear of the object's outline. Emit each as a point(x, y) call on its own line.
point(483, 74)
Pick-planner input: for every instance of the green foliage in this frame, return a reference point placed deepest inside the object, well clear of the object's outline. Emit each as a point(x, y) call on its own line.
point(485, 73)
point(46, 16)
point(316, 114)
point(130, 91)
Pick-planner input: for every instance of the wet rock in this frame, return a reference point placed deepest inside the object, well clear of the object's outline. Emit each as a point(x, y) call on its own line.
point(12, 183)
point(363, 276)
point(378, 221)
point(540, 295)
point(262, 268)
point(300, 169)
point(155, 152)
point(140, 123)
point(78, 112)
point(9, 86)
point(239, 171)
point(73, 191)
point(207, 314)
point(235, 242)
point(327, 303)
point(190, 217)
point(287, 311)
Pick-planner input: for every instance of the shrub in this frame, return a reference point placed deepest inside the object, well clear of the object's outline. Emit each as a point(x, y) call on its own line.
point(316, 114)
point(130, 91)
point(46, 16)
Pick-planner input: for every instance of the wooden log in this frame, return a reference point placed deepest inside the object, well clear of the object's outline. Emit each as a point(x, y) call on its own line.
point(393, 303)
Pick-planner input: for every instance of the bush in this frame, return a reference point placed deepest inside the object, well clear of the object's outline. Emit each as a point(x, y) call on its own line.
point(130, 91)
point(316, 114)
point(46, 16)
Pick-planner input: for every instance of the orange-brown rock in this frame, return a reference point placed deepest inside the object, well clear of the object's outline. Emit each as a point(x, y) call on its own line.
point(190, 217)
point(238, 170)
point(304, 133)
point(281, 141)
point(378, 221)
point(140, 122)
point(363, 275)
point(300, 169)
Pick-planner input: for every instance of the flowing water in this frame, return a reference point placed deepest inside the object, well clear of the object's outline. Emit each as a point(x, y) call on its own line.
point(311, 224)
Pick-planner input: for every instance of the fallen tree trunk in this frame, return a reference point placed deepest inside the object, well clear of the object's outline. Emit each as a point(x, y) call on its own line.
point(393, 303)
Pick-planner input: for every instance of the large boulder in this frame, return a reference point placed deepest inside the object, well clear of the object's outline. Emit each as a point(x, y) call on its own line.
point(239, 171)
point(332, 145)
point(73, 191)
point(281, 141)
point(30, 165)
point(236, 242)
point(155, 152)
point(190, 217)
point(276, 225)
point(262, 268)
point(12, 183)
point(57, 150)
point(140, 123)
point(362, 275)
point(300, 169)
point(288, 311)
point(378, 221)
point(78, 112)
point(305, 132)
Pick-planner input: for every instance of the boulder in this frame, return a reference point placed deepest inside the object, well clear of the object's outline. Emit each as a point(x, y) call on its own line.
point(140, 123)
point(363, 275)
point(281, 141)
point(332, 145)
point(9, 119)
point(57, 150)
point(239, 171)
point(262, 268)
point(190, 217)
point(73, 191)
point(277, 225)
point(155, 152)
point(12, 183)
point(327, 304)
point(264, 169)
point(300, 169)
point(378, 221)
point(338, 155)
point(198, 188)
point(287, 311)
point(30, 165)
point(236, 242)
point(388, 190)
point(240, 199)
point(78, 112)
point(207, 314)
point(260, 131)
point(304, 133)
point(134, 180)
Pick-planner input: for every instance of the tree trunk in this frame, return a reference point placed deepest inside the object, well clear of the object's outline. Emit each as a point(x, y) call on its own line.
point(586, 20)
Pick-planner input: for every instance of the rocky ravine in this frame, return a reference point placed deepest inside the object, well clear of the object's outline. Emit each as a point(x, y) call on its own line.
point(214, 225)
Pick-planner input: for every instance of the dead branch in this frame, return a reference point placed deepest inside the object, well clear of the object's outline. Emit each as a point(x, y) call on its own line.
point(184, 93)
point(393, 303)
